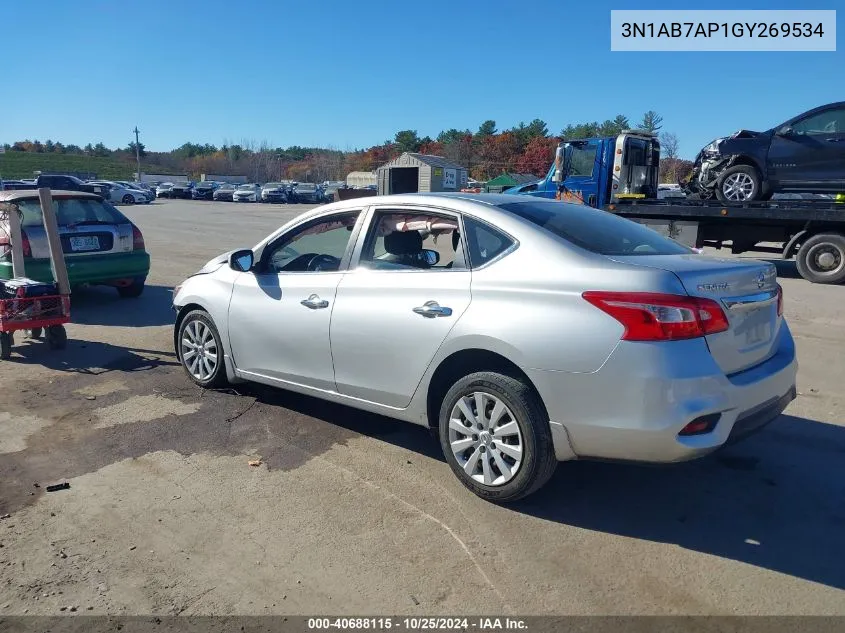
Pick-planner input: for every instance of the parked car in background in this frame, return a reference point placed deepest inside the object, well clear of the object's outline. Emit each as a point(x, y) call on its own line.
point(274, 192)
point(670, 191)
point(137, 186)
point(694, 349)
point(224, 192)
point(304, 192)
point(121, 194)
point(204, 190)
point(100, 244)
point(67, 183)
point(163, 190)
point(16, 185)
point(182, 190)
point(249, 192)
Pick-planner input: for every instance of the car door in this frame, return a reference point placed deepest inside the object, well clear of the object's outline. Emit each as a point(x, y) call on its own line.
point(395, 309)
point(810, 152)
point(280, 311)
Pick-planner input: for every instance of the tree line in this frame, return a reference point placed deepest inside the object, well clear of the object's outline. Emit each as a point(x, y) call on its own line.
point(486, 152)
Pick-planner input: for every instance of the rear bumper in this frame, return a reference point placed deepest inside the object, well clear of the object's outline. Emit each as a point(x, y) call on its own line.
point(88, 269)
point(636, 404)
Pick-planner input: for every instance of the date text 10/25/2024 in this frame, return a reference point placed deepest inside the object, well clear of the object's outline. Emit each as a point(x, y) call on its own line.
point(417, 624)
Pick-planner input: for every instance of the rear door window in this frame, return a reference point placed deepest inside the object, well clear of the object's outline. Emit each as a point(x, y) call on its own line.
point(484, 242)
point(595, 230)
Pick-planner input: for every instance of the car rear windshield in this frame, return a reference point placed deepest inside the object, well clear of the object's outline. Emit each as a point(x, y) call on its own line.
point(71, 212)
point(595, 230)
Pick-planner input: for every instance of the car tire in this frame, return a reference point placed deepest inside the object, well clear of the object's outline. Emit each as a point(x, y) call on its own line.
point(197, 329)
point(467, 447)
point(128, 199)
point(821, 259)
point(132, 291)
point(56, 337)
point(737, 184)
point(6, 345)
point(36, 332)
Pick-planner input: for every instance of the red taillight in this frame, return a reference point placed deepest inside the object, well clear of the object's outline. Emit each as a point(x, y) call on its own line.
point(660, 317)
point(780, 300)
point(137, 239)
point(27, 247)
point(6, 245)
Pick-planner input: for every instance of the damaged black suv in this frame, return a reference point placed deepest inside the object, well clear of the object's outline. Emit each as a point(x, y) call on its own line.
point(803, 155)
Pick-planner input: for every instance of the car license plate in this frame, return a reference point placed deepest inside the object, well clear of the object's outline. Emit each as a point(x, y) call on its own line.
point(90, 243)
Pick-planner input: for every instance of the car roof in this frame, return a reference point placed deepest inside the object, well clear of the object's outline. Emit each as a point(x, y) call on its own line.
point(26, 194)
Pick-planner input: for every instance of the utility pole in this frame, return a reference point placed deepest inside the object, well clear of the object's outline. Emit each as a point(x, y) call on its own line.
point(137, 152)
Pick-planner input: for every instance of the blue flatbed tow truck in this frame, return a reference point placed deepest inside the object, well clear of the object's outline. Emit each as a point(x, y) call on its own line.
point(620, 175)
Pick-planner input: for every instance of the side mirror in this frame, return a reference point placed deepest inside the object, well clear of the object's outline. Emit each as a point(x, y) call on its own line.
point(786, 130)
point(242, 260)
point(431, 257)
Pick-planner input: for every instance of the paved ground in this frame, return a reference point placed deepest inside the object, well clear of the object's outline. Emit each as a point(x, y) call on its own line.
point(353, 513)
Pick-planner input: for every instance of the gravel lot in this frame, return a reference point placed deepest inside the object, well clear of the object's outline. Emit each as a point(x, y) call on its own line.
point(352, 513)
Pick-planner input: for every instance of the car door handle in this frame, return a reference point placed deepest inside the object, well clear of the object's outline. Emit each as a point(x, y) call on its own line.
point(314, 302)
point(431, 309)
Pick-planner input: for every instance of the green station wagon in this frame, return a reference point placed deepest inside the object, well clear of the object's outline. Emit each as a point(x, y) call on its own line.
point(100, 244)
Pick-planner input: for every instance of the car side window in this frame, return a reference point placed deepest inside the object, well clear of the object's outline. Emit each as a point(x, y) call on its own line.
point(828, 122)
point(318, 246)
point(484, 242)
point(413, 240)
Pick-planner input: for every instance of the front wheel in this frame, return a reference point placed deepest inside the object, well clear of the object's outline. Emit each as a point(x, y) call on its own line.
point(495, 435)
point(128, 199)
point(821, 259)
point(200, 350)
point(740, 183)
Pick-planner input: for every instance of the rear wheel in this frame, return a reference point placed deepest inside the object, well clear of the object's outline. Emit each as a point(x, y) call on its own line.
point(132, 291)
point(5, 345)
point(200, 350)
point(56, 337)
point(128, 199)
point(740, 183)
point(821, 259)
point(495, 434)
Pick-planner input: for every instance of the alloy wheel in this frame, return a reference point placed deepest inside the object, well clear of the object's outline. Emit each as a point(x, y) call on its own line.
point(198, 349)
point(485, 438)
point(738, 187)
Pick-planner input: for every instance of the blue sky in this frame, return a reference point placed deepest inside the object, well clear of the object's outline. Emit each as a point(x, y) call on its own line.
point(350, 74)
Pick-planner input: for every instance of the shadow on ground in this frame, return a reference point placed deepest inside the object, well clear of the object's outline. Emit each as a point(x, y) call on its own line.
point(776, 501)
point(100, 305)
point(88, 357)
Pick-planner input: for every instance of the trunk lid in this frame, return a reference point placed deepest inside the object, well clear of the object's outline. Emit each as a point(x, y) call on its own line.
point(93, 239)
point(746, 290)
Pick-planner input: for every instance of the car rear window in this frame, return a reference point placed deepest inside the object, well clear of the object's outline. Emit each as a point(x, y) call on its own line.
point(594, 230)
point(72, 211)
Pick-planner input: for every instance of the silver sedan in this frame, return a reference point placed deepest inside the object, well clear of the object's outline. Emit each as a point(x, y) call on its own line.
point(525, 331)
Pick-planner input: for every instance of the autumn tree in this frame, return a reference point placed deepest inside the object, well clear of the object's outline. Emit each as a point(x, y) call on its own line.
point(538, 155)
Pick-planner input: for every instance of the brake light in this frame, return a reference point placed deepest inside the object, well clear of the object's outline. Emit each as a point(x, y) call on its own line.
point(6, 245)
point(660, 317)
point(137, 239)
point(780, 300)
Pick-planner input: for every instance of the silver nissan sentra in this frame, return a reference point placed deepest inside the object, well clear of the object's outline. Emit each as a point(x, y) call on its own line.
point(525, 331)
